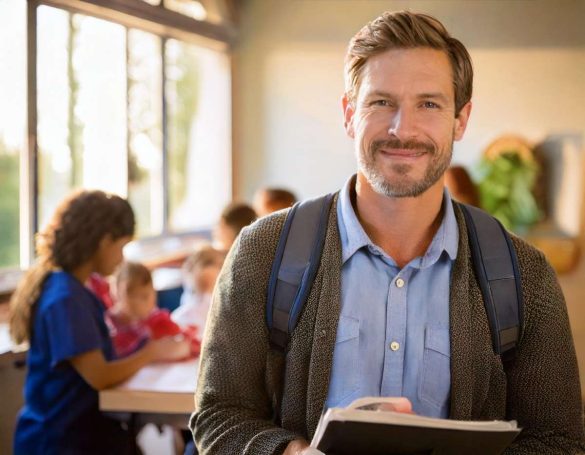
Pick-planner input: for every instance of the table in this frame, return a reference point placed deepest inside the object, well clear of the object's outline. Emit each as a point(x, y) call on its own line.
point(158, 393)
point(5, 341)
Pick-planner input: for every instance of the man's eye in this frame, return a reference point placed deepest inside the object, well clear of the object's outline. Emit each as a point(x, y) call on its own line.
point(430, 105)
point(380, 103)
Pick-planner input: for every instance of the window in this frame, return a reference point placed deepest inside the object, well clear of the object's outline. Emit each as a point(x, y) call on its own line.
point(134, 105)
point(81, 106)
point(145, 129)
point(12, 125)
point(199, 134)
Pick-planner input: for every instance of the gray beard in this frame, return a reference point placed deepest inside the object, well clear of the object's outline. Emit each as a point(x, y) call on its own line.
point(403, 188)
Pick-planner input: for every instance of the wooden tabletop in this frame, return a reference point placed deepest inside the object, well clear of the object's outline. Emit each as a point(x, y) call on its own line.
point(165, 388)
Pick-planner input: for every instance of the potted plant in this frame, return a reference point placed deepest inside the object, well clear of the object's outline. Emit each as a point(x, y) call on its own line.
point(508, 174)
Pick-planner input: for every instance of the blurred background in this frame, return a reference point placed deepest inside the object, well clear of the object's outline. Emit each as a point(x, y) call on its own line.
point(184, 105)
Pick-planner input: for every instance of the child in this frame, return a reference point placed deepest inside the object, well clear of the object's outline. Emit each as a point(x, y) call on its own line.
point(135, 318)
point(71, 355)
point(268, 200)
point(233, 219)
point(200, 272)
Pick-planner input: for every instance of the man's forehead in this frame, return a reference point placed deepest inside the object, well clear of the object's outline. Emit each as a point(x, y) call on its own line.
point(423, 70)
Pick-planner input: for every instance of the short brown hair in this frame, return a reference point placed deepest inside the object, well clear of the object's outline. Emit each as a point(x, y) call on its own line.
point(405, 30)
point(133, 274)
point(280, 197)
point(238, 215)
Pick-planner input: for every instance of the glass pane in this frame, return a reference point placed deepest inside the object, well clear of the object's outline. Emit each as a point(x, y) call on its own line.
point(191, 8)
point(145, 131)
point(81, 106)
point(12, 124)
point(199, 125)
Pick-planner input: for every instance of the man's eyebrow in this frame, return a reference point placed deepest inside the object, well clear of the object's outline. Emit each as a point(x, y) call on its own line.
point(433, 96)
point(378, 94)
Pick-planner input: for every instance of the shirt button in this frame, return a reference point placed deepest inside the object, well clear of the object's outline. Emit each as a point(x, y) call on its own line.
point(399, 282)
point(395, 345)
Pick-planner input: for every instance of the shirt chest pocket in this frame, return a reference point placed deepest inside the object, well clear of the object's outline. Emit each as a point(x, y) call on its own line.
point(435, 380)
point(345, 373)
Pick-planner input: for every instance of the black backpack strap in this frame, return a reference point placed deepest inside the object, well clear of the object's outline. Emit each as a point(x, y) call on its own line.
point(297, 258)
point(496, 268)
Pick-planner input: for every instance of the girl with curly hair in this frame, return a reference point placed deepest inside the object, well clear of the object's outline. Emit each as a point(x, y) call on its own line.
point(71, 356)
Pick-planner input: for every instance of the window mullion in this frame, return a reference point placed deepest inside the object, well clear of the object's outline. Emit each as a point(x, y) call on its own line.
point(165, 141)
point(29, 183)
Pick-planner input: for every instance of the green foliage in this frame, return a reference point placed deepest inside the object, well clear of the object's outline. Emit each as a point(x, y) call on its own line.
point(506, 190)
point(9, 207)
point(187, 88)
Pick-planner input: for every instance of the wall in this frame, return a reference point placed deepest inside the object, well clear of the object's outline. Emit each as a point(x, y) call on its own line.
point(529, 59)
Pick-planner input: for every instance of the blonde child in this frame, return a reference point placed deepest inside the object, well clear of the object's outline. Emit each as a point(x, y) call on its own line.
point(71, 355)
point(134, 319)
point(200, 272)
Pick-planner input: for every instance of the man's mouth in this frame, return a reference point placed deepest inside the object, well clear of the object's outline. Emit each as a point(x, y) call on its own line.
point(402, 150)
point(402, 153)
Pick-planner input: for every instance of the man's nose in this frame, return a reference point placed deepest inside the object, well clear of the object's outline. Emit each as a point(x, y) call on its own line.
point(403, 124)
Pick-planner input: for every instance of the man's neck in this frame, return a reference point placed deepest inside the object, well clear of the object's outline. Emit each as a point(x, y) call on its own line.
point(402, 227)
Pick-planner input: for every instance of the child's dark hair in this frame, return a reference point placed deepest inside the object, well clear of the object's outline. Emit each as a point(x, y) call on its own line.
point(238, 215)
point(133, 274)
point(69, 240)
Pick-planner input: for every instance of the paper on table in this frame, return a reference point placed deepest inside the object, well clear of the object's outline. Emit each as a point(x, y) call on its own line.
point(174, 377)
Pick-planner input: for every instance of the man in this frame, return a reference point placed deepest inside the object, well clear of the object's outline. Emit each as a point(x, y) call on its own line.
point(395, 308)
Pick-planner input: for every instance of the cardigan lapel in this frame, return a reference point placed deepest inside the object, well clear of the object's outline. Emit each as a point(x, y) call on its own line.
point(468, 381)
point(327, 296)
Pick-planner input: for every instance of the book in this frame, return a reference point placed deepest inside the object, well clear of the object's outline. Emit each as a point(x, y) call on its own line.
point(365, 428)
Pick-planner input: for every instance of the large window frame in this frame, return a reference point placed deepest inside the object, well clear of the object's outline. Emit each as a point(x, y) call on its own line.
point(135, 14)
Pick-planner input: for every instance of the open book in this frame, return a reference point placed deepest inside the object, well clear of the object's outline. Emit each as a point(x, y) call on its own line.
point(362, 428)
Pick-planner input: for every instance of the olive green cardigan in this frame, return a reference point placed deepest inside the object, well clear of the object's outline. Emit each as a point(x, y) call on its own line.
point(240, 377)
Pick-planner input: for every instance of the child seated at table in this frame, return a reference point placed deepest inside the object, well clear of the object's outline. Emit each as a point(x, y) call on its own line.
point(268, 200)
point(234, 217)
point(200, 271)
point(70, 356)
point(135, 318)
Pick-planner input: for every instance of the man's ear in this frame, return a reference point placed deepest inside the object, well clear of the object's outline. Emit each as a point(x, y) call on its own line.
point(348, 111)
point(461, 121)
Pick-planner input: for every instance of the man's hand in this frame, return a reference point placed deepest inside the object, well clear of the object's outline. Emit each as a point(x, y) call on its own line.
point(399, 404)
point(300, 447)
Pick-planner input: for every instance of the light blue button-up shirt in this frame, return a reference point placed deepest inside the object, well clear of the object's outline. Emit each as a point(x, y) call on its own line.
point(393, 332)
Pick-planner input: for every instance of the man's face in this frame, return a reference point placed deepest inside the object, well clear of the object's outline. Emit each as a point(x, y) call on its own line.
point(403, 121)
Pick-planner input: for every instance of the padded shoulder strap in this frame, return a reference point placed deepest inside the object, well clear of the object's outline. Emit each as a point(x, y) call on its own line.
point(297, 258)
point(496, 267)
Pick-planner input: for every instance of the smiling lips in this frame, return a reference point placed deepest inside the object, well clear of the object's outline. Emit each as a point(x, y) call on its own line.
point(402, 153)
point(407, 150)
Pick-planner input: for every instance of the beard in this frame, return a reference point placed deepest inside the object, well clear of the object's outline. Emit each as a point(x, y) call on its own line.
point(402, 185)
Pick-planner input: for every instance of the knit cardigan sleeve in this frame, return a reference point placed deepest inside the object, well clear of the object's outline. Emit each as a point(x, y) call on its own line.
point(543, 381)
point(234, 407)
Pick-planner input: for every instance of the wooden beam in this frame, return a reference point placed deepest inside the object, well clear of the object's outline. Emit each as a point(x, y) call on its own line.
point(153, 19)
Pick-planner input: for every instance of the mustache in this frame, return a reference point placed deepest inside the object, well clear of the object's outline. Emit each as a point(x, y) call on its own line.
point(396, 143)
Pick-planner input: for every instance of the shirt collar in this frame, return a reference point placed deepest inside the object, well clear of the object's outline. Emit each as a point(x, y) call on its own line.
point(447, 237)
point(353, 237)
point(351, 232)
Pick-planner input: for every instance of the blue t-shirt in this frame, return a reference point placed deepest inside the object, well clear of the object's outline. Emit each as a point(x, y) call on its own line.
point(61, 413)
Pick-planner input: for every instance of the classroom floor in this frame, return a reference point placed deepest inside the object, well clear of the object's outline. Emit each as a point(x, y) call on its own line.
point(155, 441)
